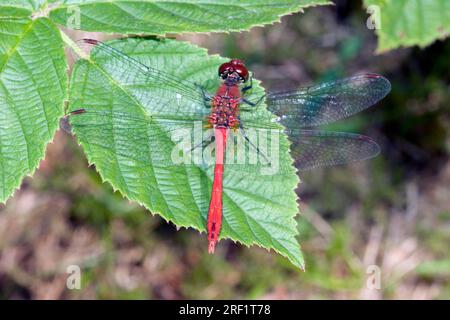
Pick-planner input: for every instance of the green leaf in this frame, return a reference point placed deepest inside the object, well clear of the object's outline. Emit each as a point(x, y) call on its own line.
point(409, 22)
point(33, 83)
point(161, 16)
point(434, 269)
point(19, 8)
point(134, 121)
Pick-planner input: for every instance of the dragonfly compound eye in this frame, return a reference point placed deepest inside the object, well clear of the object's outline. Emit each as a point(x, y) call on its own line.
point(231, 67)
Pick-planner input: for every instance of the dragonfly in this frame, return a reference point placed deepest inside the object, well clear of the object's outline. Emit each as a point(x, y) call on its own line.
point(296, 113)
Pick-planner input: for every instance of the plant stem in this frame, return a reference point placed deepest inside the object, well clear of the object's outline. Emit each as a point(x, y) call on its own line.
point(71, 44)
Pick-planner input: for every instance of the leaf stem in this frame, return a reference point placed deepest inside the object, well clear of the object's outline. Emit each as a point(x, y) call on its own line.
point(73, 45)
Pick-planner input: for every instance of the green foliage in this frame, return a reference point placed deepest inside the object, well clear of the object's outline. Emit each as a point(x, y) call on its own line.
point(33, 82)
point(437, 268)
point(409, 23)
point(32, 51)
point(161, 17)
point(33, 85)
point(19, 8)
point(134, 154)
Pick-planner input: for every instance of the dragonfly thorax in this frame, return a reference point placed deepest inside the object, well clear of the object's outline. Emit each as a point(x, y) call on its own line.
point(224, 113)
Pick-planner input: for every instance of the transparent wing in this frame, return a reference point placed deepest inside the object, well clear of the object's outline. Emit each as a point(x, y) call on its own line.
point(328, 102)
point(153, 88)
point(313, 148)
point(139, 139)
point(146, 140)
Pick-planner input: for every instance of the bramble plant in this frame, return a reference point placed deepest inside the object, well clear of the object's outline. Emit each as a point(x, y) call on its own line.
point(35, 86)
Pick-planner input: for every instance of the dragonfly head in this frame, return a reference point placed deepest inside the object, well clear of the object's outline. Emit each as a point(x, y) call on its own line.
point(234, 71)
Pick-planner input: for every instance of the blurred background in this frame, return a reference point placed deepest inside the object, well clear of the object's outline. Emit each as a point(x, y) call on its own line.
point(392, 212)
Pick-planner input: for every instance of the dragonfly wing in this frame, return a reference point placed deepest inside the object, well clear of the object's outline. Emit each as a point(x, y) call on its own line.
point(313, 148)
point(101, 119)
point(327, 102)
point(151, 87)
point(145, 140)
point(138, 139)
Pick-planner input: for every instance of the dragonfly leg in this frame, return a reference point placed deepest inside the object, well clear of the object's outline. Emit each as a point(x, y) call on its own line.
point(206, 142)
point(206, 96)
point(250, 86)
point(251, 103)
point(244, 134)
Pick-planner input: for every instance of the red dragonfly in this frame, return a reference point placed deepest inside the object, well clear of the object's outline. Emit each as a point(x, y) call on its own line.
point(297, 111)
